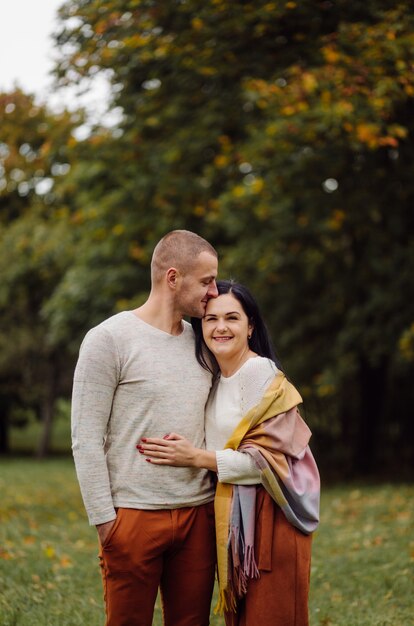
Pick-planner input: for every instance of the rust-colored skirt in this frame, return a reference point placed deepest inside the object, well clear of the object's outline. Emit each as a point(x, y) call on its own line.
point(283, 553)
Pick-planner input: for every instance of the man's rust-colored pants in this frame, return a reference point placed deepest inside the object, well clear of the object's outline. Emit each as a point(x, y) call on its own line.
point(171, 549)
point(280, 596)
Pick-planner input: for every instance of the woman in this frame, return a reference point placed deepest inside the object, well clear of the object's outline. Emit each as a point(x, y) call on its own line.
point(267, 498)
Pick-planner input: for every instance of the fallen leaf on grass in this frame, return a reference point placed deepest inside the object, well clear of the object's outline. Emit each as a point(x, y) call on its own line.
point(6, 556)
point(50, 552)
point(65, 561)
point(29, 540)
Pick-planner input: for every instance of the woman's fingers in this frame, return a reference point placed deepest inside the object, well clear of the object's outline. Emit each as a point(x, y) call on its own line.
point(176, 450)
point(156, 444)
point(157, 450)
point(154, 440)
point(173, 437)
point(159, 461)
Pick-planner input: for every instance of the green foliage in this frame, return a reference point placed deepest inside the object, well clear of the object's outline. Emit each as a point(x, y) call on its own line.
point(49, 573)
point(34, 252)
point(34, 145)
point(283, 133)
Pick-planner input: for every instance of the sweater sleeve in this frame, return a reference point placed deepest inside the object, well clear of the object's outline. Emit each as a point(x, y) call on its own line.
point(95, 380)
point(238, 467)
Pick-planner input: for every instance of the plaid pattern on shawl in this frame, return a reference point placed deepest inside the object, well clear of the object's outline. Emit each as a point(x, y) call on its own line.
point(276, 437)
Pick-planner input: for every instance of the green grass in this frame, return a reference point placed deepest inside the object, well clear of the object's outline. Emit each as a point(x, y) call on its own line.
point(363, 557)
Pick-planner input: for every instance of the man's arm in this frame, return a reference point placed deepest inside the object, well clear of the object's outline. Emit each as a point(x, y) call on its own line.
point(95, 381)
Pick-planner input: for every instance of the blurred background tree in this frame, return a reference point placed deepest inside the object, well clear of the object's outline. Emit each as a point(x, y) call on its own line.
point(34, 254)
point(282, 132)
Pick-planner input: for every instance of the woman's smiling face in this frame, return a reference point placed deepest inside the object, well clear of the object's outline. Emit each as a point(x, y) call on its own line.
point(226, 327)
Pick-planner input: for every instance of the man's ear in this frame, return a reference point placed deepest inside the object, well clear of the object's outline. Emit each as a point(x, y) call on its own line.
point(172, 277)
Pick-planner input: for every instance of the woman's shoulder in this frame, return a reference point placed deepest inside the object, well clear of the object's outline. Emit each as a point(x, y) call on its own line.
point(255, 377)
point(259, 366)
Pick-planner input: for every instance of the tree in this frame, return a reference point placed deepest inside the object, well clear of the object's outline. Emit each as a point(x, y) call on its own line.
point(283, 133)
point(34, 253)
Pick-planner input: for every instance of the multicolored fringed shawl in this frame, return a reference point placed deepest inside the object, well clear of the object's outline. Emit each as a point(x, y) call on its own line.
point(276, 437)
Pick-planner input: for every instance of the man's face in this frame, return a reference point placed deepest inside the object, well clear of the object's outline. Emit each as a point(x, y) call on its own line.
point(198, 285)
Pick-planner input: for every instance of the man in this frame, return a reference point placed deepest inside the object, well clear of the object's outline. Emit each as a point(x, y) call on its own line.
point(137, 376)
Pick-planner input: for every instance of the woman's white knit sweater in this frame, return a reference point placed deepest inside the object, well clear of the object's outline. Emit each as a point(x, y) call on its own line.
point(230, 399)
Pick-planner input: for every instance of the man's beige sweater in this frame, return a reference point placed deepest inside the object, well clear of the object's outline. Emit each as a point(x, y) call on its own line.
point(133, 380)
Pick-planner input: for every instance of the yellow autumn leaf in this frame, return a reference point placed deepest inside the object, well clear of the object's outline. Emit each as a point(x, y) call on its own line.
point(207, 71)
point(224, 140)
point(398, 131)
point(29, 540)
point(239, 191)
point(118, 229)
point(50, 552)
point(196, 23)
point(221, 160)
point(65, 561)
point(331, 55)
point(288, 110)
point(309, 82)
point(5, 555)
point(199, 210)
point(344, 107)
point(339, 216)
point(368, 133)
point(136, 41)
point(152, 121)
point(257, 185)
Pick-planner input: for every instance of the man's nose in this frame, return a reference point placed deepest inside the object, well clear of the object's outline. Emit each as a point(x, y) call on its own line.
point(212, 290)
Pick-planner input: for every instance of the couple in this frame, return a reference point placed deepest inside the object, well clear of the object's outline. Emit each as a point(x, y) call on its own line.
point(156, 404)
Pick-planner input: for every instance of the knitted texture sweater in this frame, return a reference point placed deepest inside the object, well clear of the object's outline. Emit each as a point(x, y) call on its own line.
point(230, 399)
point(133, 380)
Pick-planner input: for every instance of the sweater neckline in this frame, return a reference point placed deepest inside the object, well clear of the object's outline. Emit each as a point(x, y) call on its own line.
point(159, 331)
point(226, 379)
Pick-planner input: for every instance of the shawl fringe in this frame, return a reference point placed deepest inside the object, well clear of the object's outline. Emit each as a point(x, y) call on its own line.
point(226, 602)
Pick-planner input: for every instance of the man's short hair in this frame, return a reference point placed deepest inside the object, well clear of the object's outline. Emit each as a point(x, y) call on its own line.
point(178, 249)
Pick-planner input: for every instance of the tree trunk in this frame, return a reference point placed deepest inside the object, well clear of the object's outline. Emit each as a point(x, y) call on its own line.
point(47, 411)
point(373, 385)
point(4, 434)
